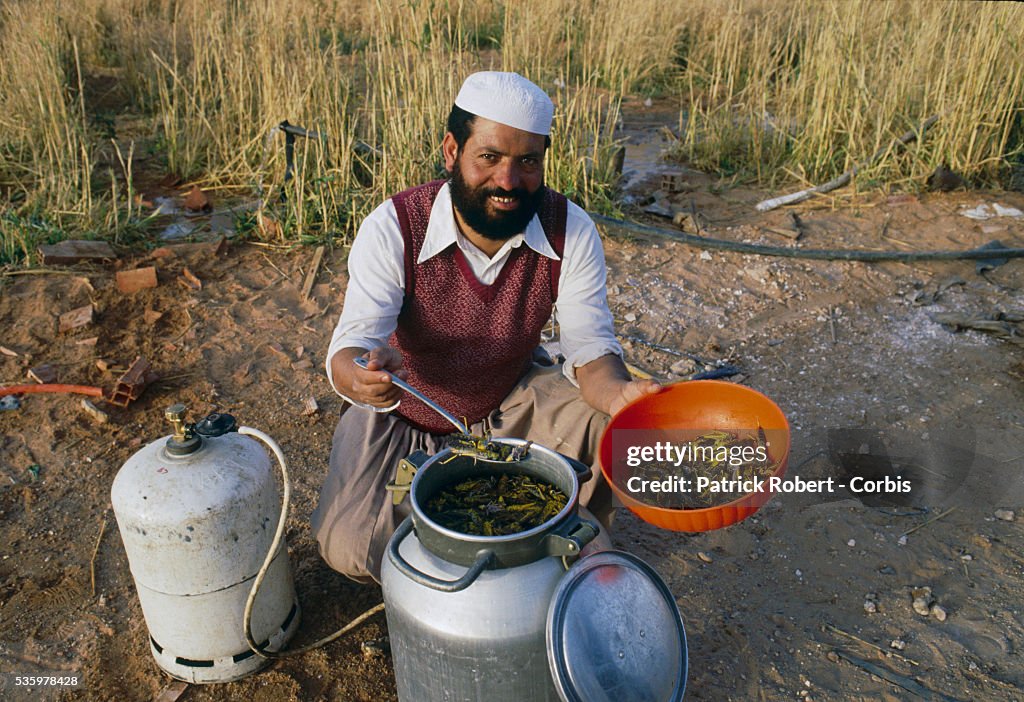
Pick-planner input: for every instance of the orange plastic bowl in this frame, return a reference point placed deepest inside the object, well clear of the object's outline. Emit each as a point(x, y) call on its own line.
point(699, 405)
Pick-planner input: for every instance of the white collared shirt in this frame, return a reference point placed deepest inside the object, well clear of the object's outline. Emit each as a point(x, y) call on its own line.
point(376, 282)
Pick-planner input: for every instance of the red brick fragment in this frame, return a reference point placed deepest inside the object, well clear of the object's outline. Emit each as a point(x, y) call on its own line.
point(197, 200)
point(78, 317)
point(43, 374)
point(137, 279)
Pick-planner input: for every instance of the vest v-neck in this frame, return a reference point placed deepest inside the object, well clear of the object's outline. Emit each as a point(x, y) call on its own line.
point(485, 292)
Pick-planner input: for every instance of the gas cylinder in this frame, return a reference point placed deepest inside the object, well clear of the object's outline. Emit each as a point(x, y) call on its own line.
point(522, 617)
point(197, 512)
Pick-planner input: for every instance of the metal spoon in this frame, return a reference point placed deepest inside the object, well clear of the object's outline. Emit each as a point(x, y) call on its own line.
point(362, 363)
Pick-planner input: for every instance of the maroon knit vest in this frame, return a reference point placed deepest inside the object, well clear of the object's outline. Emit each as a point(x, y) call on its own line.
point(466, 344)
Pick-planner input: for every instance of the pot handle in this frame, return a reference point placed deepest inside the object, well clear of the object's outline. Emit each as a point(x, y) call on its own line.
point(583, 472)
point(483, 559)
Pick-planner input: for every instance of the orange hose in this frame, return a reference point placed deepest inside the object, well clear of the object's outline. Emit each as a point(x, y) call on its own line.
point(51, 387)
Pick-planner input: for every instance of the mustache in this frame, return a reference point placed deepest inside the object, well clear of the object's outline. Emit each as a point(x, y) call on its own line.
point(520, 193)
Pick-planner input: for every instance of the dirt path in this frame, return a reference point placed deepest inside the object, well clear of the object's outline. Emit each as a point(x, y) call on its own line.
point(846, 349)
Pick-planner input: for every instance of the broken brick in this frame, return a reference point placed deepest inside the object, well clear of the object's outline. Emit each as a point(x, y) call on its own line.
point(130, 385)
point(78, 317)
point(189, 279)
point(197, 200)
point(75, 251)
point(43, 374)
point(150, 316)
point(268, 226)
point(674, 183)
point(221, 249)
point(310, 407)
point(95, 412)
point(137, 279)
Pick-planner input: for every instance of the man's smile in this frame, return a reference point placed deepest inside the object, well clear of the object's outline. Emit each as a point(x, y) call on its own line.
point(504, 203)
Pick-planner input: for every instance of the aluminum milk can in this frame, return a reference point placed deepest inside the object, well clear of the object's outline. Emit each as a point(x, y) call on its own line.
point(498, 618)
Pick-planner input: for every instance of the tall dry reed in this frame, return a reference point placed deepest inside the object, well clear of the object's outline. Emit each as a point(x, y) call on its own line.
point(98, 93)
point(808, 89)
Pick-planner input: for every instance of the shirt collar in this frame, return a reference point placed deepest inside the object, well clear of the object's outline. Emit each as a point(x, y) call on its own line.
point(442, 231)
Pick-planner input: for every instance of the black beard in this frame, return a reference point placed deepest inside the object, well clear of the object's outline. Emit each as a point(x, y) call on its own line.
point(501, 225)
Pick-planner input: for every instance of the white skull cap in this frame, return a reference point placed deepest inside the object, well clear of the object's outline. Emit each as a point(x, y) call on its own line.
point(507, 98)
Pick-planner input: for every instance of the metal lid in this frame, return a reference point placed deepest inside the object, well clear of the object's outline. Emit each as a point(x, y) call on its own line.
point(614, 633)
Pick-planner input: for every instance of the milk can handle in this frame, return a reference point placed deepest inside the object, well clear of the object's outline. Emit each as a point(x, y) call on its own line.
point(583, 472)
point(482, 561)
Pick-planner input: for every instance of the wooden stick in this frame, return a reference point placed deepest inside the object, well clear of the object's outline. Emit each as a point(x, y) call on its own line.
point(307, 286)
point(638, 372)
point(845, 178)
point(41, 271)
point(924, 524)
point(95, 551)
point(171, 692)
point(286, 276)
point(887, 652)
point(897, 679)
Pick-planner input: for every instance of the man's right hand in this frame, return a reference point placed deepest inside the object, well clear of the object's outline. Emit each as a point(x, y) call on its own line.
point(370, 386)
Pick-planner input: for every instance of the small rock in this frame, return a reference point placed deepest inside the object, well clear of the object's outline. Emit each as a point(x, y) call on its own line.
point(832, 656)
point(923, 600)
point(851, 543)
point(898, 644)
point(887, 570)
point(967, 557)
point(870, 606)
point(705, 556)
point(705, 255)
point(684, 366)
point(631, 317)
point(939, 612)
point(945, 180)
point(902, 541)
point(376, 648)
point(1005, 514)
point(799, 573)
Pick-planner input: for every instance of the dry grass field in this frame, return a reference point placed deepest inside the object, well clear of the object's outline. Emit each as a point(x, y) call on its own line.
point(99, 98)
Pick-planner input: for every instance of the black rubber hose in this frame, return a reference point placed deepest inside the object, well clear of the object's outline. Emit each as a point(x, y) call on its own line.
point(819, 254)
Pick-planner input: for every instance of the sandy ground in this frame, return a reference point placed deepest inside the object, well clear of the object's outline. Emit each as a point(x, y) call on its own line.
point(848, 350)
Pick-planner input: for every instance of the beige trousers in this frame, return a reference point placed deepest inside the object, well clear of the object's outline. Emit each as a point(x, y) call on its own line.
point(355, 517)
